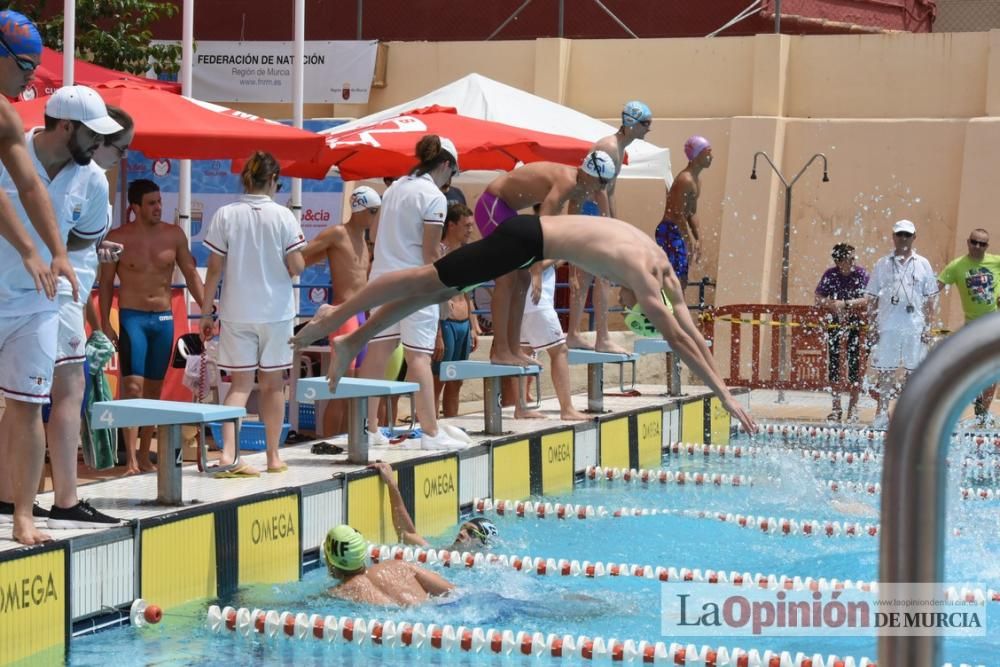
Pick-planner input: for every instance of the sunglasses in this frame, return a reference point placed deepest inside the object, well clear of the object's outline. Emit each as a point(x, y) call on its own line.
point(645, 123)
point(23, 64)
point(979, 244)
point(903, 235)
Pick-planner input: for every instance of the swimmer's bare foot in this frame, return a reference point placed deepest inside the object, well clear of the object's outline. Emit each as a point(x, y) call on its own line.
point(131, 468)
point(25, 531)
point(341, 355)
point(526, 360)
point(506, 359)
point(573, 415)
point(145, 465)
point(520, 413)
point(609, 347)
point(312, 331)
point(575, 342)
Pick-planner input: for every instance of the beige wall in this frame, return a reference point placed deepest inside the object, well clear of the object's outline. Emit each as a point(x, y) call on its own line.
point(910, 124)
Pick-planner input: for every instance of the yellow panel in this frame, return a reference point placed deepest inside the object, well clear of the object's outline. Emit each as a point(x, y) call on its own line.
point(614, 443)
point(720, 423)
point(435, 496)
point(33, 603)
point(650, 425)
point(512, 471)
point(557, 462)
point(369, 511)
point(179, 561)
point(693, 422)
point(269, 541)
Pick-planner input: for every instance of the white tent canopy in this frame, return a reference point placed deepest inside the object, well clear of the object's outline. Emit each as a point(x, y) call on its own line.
point(477, 96)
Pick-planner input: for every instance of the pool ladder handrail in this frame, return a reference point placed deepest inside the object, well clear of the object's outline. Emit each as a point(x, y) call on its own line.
point(914, 477)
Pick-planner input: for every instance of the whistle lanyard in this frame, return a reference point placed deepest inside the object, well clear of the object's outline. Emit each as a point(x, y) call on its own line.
point(899, 277)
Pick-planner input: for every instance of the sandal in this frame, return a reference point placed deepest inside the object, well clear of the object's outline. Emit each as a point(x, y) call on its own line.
point(327, 448)
point(835, 416)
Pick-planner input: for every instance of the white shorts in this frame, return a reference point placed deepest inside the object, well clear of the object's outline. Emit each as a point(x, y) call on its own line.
point(28, 356)
point(417, 331)
point(541, 329)
point(71, 345)
point(897, 348)
point(248, 346)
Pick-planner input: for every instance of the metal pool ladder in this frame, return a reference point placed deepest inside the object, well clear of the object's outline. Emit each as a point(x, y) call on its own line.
point(914, 479)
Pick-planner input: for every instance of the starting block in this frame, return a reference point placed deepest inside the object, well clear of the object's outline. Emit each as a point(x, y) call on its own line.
point(356, 391)
point(168, 417)
point(490, 374)
point(595, 373)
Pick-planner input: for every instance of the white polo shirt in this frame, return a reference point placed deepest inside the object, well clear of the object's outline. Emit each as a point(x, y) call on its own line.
point(253, 235)
point(898, 283)
point(79, 195)
point(409, 204)
point(547, 299)
point(85, 264)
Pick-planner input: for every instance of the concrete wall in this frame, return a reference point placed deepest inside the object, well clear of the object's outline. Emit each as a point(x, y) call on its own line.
point(910, 124)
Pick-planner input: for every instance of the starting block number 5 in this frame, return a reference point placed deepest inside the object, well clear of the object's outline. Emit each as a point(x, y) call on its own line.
point(451, 372)
point(107, 418)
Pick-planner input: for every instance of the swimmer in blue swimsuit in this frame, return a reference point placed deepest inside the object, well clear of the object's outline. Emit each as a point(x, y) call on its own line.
point(680, 217)
point(144, 271)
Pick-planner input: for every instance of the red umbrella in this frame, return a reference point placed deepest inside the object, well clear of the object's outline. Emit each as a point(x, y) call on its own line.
point(173, 126)
point(386, 147)
point(48, 77)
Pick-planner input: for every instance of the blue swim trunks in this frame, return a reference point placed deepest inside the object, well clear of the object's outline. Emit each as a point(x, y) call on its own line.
point(457, 336)
point(668, 236)
point(145, 342)
point(590, 207)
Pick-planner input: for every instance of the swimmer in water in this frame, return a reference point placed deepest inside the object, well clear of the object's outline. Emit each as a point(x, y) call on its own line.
point(389, 583)
point(475, 534)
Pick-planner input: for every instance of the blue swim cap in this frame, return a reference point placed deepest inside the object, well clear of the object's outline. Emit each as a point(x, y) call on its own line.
point(635, 112)
point(20, 33)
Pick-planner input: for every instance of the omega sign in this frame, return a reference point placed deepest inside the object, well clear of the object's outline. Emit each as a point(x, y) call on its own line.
point(439, 485)
point(558, 453)
point(27, 592)
point(270, 529)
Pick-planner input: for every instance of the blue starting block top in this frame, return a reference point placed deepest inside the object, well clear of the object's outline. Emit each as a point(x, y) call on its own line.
point(470, 370)
point(651, 345)
point(594, 357)
point(318, 389)
point(146, 412)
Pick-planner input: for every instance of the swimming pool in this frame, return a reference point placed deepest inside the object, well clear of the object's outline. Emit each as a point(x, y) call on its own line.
point(783, 477)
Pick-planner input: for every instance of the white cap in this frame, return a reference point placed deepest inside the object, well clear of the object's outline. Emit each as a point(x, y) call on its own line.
point(904, 226)
point(448, 145)
point(599, 165)
point(363, 198)
point(82, 104)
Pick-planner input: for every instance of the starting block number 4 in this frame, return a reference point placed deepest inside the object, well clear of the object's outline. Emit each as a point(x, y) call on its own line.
point(107, 418)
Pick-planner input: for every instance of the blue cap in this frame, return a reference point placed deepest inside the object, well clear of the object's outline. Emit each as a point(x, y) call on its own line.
point(635, 112)
point(20, 33)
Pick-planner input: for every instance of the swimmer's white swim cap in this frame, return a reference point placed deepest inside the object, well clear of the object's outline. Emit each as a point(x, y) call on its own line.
point(363, 198)
point(599, 165)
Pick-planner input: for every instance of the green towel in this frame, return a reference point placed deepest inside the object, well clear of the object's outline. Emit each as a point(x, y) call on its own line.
point(100, 445)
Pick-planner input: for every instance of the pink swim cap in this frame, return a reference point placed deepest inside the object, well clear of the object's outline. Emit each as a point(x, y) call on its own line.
point(694, 146)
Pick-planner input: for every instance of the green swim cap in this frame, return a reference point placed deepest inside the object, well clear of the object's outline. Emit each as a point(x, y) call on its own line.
point(345, 549)
point(639, 324)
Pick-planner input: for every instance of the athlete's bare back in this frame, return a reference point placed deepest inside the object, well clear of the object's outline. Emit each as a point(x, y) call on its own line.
point(345, 251)
point(393, 583)
point(547, 183)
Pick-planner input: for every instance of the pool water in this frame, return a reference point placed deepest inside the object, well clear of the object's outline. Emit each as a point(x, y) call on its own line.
point(785, 485)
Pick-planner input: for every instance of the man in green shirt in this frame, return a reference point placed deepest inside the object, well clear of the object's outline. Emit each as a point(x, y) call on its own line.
point(977, 275)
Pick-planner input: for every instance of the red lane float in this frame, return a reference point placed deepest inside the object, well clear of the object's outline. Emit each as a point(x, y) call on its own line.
point(474, 640)
point(678, 477)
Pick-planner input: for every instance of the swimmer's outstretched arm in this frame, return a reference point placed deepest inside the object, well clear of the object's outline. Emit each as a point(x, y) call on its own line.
point(672, 286)
point(401, 520)
point(652, 305)
point(433, 583)
point(403, 284)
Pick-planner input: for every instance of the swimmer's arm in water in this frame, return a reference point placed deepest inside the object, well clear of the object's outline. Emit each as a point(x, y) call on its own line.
point(433, 583)
point(401, 520)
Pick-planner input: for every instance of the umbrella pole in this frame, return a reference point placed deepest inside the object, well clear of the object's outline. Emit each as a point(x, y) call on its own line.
point(298, 90)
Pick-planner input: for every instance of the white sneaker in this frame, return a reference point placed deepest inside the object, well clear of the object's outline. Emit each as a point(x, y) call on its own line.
point(377, 439)
point(455, 432)
point(881, 421)
point(442, 441)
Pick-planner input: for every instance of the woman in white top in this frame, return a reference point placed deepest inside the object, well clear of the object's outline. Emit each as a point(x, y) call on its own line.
point(408, 236)
point(255, 244)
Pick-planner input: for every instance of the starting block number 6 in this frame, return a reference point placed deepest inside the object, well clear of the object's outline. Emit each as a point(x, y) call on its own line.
point(450, 372)
point(310, 394)
point(107, 418)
